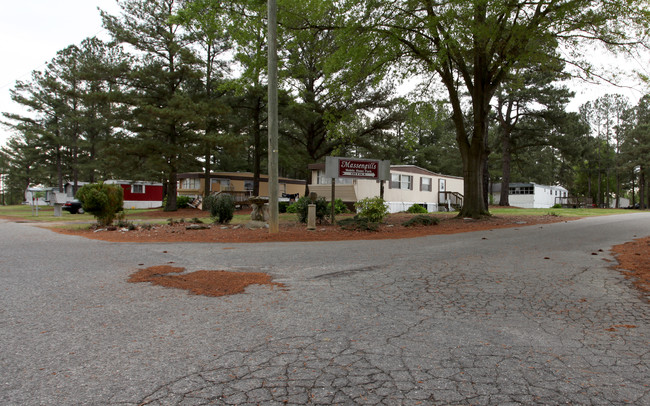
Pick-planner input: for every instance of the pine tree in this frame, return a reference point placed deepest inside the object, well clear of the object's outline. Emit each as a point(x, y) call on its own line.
point(165, 115)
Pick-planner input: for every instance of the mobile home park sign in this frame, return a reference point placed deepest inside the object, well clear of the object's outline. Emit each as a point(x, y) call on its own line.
point(336, 167)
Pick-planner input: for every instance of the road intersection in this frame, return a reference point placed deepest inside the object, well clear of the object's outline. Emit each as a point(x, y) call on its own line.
point(527, 315)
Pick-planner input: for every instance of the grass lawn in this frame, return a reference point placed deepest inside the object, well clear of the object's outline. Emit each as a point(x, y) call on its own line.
point(46, 214)
point(513, 211)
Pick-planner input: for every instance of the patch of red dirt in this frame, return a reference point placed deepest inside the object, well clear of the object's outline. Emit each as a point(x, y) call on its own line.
point(391, 229)
point(634, 262)
point(206, 283)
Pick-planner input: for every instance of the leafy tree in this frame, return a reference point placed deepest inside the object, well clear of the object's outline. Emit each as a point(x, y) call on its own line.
point(605, 116)
point(333, 109)
point(472, 46)
point(636, 146)
point(530, 117)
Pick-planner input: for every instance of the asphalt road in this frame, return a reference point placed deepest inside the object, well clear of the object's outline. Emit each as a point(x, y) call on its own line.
point(532, 315)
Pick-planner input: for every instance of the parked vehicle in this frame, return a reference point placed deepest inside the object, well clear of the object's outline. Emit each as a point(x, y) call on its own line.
point(74, 207)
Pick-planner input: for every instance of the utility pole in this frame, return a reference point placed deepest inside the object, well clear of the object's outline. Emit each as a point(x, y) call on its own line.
point(274, 212)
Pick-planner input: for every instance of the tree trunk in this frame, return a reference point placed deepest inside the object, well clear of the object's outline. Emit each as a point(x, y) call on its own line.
point(172, 190)
point(506, 159)
point(641, 190)
point(473, 203)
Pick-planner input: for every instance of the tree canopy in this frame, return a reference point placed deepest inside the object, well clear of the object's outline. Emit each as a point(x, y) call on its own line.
point(182, 87)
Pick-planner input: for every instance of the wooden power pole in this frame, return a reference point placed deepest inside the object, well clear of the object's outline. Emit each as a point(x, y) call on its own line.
point(274, 212)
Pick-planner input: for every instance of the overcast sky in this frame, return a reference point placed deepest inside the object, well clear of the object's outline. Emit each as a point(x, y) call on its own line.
point(32, 32)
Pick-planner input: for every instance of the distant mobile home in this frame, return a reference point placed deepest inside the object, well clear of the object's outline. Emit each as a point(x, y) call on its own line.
point(409, 185)
point(137, 194)
point(239, 184)
point(530, 195)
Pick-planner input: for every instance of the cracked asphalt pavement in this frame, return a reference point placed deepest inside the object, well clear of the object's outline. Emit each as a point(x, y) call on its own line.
point(528, 315)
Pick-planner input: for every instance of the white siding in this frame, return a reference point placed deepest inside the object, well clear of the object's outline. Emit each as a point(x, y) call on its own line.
point(397, 199)
point(543, 197)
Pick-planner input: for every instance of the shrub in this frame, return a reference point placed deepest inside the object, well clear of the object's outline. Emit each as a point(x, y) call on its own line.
point(421, 220)
point(557, 206)
point(183, 202)
point(102, 201)
point(292, 208)
point(302, 206)
point(339, 207)
point(282, 206)
point(372, 208)
point(417, 209)
point(222, 208)
point(357, 223)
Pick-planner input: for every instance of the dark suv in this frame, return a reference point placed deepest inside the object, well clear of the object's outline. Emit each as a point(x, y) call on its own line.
point(74, 207)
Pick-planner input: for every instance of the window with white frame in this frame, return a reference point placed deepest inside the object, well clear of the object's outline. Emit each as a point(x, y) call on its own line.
point(322, 179)
point(191, 183)
point(224, 184)
point(398, 181)
point(425, 184)
point(137, 188)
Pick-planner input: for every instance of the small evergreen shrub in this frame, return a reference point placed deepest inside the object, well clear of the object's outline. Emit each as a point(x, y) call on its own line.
point(282, 206)
point(292, 208)
point(183, 202)
point(302, 207)
point(557, 206)
point(421, 220)
point(357, 223)
point(102, 201)
point(222, 209)
point(339, 207)
point(417, 209)
point(372, 208)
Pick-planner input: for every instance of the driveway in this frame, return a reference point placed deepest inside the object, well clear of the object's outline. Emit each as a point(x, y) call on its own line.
point(532, 315)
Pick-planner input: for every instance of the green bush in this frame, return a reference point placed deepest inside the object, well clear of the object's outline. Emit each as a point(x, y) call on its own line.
point(357, 223)
point(183, 202)
point(282, 206)
point(421, 220)
point(557, 206)
point(292, 208)
point(102, 201)
point(222, 208)
point(301, 207)
point(373, 209)
point(417, 209)
point(339, 207)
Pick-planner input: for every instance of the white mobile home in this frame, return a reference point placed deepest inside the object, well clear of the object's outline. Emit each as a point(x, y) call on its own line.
point(530, 195)
point(408, 185)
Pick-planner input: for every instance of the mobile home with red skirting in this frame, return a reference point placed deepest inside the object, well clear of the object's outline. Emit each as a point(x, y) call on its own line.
point(140, 194)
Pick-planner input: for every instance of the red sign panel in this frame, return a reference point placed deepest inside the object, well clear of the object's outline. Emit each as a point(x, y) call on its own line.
point(350, 168)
